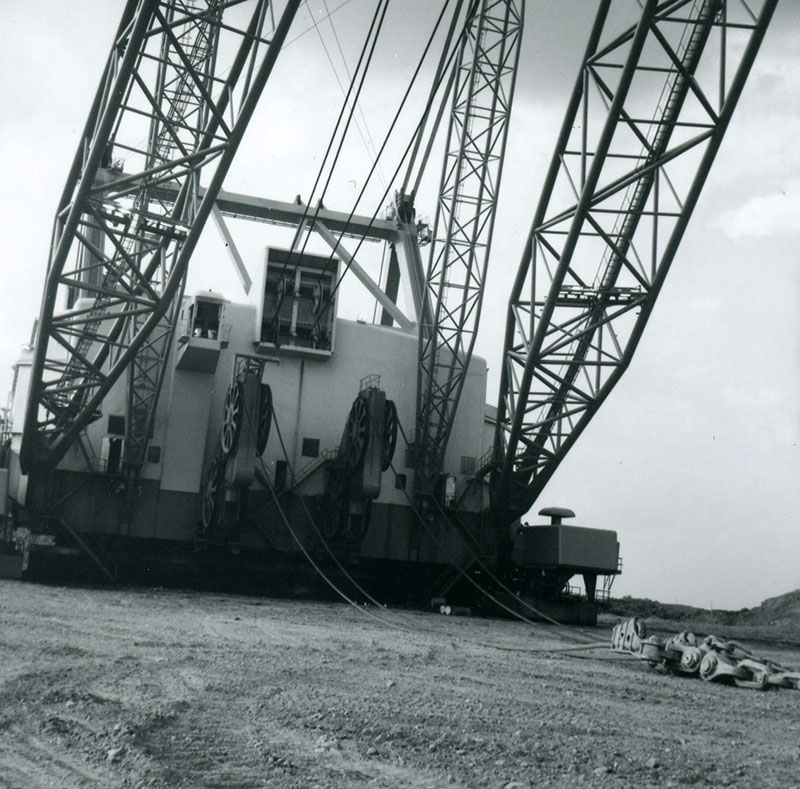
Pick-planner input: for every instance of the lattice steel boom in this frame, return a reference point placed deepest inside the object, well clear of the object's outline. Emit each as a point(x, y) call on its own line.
point(482, 99)
point(180, 85)
point(644, 123)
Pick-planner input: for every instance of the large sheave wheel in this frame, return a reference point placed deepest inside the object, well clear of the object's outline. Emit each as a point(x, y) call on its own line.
point(389, 433)
point(357, 432)
point(264, 418)
point(210, 493)
point(232, 419)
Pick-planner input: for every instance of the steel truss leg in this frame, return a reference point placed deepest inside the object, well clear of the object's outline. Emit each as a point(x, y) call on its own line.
point(647, 116)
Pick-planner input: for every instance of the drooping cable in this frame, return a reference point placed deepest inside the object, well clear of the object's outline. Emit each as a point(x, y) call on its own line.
point(414, 627)
point(252, 427)
point(462, 572)
point(319, 534)
point(367, 612)
point(473, 555)
point(364, 133)
point(317, 530)
point(322, 574)
point(357, 82)
point(443, 63)
point(293, 533)
point(328, 549)
point(333, 291)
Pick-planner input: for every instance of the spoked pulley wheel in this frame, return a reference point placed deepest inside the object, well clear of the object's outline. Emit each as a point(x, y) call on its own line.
point(264, 418)
point(357, 432)
point(389, 433)
point(210, 494)
point(232, 418)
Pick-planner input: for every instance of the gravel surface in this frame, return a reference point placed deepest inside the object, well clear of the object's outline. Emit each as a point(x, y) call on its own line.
point(130, 688)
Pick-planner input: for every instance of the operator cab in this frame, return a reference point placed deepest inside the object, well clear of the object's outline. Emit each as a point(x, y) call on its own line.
point(202, 332)
point(203, 315)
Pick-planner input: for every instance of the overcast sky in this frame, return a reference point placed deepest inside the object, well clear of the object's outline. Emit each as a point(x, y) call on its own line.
point(695, 458)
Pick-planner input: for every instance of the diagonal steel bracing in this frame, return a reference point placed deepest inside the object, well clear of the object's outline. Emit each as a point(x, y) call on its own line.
point(183, 86)
point(180, 85)
point(475, 147)
point(644, 123)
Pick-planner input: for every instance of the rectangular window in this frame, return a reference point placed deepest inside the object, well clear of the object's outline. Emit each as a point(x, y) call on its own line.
point(310, 447)
point(400, 481)
point(153, 454)
point(116, 425)
point(299, 303)
point(206, 321)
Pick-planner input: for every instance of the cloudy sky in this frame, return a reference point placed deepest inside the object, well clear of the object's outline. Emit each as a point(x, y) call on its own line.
point(695, 457)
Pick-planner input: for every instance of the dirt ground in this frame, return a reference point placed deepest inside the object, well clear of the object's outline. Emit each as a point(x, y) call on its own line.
point(130, 688)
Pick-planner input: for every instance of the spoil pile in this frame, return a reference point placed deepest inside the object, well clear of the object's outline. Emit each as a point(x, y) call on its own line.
point(783, 610)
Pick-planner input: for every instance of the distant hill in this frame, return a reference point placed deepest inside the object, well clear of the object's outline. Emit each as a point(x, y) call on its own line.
point(652, 609)
point(783, 611)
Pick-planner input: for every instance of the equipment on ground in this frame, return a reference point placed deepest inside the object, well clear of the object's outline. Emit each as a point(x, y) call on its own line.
point(712, 659)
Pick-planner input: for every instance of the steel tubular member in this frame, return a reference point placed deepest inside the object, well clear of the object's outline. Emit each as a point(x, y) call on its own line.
point(130, 246)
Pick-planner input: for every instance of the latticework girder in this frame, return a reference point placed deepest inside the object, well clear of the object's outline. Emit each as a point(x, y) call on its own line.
point(180, 85)
point(644, 123)
point(185, 71)
point(475, 147)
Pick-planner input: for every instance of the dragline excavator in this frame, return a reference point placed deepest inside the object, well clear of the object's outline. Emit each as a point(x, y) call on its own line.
point(133, 377)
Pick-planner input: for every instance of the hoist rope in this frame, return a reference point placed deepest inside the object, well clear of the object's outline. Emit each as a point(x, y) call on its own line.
point(473, 555)
point(309, 29)
point(333, 291)
point(380, 276)
point(316, 566)
point(364, 133)
point(357, 77)
point(444, 63)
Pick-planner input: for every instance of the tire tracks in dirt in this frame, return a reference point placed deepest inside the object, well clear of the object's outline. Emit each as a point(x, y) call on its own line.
point(28, 762)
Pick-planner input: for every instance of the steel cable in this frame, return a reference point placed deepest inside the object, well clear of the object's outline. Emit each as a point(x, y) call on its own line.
point(369, 143)
point(361, 79)
point(329, 299)
point(419, 517)
point(474, 556)
point(440, 71)
point(325, 543)
point(339, 280)
point(414, 628)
